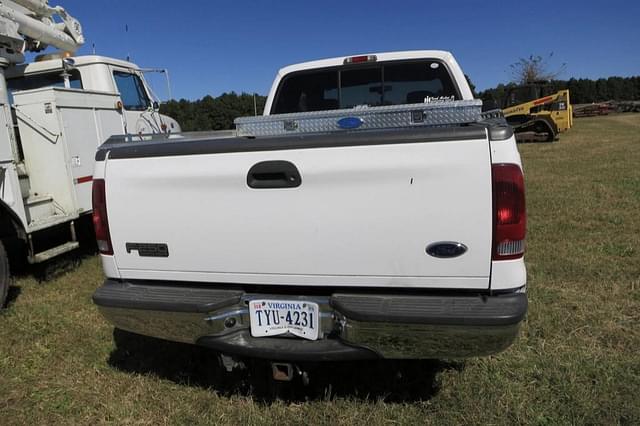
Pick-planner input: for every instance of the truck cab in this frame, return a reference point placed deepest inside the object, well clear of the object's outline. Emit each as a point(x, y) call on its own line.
point(100, 74)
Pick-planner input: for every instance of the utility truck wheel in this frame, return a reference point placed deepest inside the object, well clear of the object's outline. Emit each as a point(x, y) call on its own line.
point(4, 275)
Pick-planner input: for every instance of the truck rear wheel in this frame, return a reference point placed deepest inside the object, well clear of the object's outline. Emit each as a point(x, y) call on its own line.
point(4, 275)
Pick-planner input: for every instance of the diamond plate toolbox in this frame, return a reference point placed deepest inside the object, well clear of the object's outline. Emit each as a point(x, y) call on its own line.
point(435, 113)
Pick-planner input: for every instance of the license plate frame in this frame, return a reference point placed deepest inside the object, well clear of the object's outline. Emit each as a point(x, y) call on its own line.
point(275, 317)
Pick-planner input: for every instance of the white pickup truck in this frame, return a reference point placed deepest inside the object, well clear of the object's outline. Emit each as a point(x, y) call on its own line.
point(373, 211)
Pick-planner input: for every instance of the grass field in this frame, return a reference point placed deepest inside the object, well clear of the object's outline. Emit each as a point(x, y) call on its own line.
point(577, 360)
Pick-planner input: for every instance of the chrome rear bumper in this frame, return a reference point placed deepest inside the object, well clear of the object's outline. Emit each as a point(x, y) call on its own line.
point(352, 326)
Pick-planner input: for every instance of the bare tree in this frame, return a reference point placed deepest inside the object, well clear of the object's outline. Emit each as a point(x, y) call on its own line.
point(534, 68)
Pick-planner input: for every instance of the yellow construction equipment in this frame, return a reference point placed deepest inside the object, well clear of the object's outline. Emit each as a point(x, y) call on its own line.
point(537, 115)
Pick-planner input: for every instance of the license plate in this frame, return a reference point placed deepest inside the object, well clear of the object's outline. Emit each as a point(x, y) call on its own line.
point(276, 317)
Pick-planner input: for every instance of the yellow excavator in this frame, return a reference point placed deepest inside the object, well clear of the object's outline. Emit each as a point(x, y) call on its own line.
point(537, 115)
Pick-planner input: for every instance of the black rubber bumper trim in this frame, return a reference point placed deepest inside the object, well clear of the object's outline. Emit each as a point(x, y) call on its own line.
point(118, 149)
point(286, 349)
point(117, 294)
point(433, 309)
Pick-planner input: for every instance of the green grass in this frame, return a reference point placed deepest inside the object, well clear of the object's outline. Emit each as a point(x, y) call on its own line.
point(577, 360)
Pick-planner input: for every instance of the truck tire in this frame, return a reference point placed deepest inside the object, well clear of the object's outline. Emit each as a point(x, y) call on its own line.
point(4, 275)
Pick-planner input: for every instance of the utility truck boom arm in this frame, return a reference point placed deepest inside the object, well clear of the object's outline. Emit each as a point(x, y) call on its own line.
point(29, 25)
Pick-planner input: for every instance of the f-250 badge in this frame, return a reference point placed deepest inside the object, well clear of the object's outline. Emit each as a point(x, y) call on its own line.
point(148, 249)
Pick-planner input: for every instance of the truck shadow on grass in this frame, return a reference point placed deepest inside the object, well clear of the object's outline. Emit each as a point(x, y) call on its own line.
point(391, 381)
point(42, 273)
point(12, 295)
point(46, 271)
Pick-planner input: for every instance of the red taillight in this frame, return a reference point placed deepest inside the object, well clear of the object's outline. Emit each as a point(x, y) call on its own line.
point(510, 215)
point(100, 222)
point(360, 59)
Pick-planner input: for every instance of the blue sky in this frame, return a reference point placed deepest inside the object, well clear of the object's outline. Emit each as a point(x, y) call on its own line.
point(211, 47)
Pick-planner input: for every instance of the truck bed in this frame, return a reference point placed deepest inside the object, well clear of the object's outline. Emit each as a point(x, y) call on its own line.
point(365, 207)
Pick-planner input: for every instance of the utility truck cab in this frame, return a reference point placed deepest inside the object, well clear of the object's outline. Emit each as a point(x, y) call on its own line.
point(98, 74)
point(373, 211)
point(54, 113)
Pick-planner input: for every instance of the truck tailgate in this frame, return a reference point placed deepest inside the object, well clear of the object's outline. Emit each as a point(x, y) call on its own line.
point(363, 214)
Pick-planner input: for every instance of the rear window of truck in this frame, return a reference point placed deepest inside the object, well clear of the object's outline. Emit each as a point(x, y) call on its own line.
point(36, 81)
point(385, 83)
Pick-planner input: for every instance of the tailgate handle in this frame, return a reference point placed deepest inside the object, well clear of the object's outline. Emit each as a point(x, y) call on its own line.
point(273, 174)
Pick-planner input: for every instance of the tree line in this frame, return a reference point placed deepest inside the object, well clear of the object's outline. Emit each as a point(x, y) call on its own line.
point(582, 90)
point(218, 113)
point(211, 113)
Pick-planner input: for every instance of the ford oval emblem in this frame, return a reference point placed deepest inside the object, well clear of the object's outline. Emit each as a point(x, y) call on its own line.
point(350, 122)
point(446, 249)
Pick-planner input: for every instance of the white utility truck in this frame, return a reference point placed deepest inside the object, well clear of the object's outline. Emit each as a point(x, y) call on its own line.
point(54, 113)
point(373, 211)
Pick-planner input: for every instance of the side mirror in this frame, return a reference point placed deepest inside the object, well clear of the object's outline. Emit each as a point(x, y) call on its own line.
point(155, 106)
